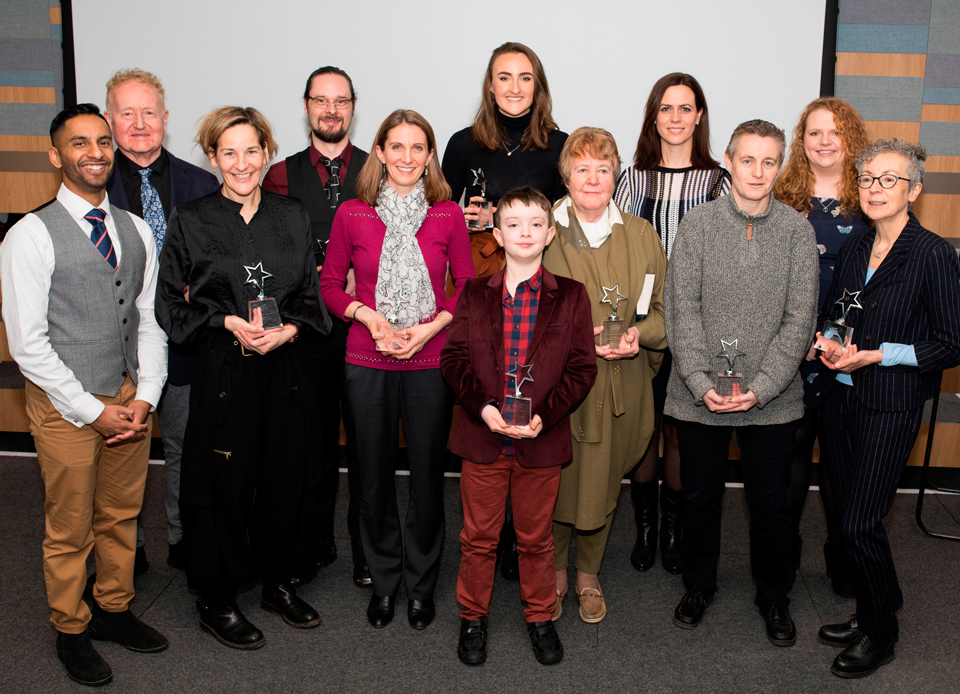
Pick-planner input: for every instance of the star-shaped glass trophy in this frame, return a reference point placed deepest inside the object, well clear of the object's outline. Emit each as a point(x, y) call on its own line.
point(614, 326)
point(484, 218)
point(518, 410)
point(389, 308)
point(269, 312)
point(837, 335)
point(729, 380)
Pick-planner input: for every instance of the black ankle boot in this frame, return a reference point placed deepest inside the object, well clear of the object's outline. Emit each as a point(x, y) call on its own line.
point(671, 505)
point(644, 496)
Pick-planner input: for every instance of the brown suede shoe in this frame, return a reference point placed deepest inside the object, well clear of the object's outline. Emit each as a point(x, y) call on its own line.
point(592, 606)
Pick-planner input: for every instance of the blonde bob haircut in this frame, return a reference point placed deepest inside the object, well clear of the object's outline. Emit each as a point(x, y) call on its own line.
point(135, 75)
point(595, 143)
point(373, 175)
point(213, 125)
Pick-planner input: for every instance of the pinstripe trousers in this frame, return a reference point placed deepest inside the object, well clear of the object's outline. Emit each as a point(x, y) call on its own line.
point(868, 452)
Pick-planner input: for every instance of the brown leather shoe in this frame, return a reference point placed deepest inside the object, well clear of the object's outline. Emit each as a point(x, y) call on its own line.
point(592, 606)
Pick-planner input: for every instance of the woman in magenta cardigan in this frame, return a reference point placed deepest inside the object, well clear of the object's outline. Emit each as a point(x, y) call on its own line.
point(399, 236)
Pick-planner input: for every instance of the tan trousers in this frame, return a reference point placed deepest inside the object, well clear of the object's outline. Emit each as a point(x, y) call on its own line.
point(93, 495)
point(591, 546)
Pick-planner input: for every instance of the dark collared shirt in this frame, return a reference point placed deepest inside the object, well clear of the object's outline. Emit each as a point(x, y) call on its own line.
point(130, 175)
point(276, 178)
point(519, 318)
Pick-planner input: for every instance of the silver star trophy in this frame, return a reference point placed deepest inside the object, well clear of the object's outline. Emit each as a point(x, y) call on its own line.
point(836, 335)
point(614, 326)
point(484, 218)
point(729, 381)
point(393, 338)
point(518, 410)
point(269, 312)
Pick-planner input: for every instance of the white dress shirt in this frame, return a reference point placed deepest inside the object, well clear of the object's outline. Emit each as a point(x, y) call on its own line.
point(26, 267)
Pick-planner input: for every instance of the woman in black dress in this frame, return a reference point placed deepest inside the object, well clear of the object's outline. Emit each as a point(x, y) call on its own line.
point(250, 466)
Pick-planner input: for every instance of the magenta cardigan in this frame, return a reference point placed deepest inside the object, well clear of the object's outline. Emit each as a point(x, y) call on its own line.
point(357, 239)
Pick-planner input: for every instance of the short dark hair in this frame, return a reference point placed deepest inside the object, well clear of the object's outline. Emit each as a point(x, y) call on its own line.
point(329, 70)
point(761, 128)
point(524, 195)
point(60, 120)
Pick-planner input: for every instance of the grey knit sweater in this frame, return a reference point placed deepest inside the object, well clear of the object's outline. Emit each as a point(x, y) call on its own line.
point(762, 292)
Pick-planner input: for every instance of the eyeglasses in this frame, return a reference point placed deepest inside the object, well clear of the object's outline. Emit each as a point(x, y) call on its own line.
point(322, 103)
point(886, 181)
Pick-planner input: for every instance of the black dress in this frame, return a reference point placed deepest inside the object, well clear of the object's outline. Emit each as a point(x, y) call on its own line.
point(251, 466)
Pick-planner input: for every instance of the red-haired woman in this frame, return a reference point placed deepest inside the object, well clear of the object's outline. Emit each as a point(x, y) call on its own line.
point(820, 181)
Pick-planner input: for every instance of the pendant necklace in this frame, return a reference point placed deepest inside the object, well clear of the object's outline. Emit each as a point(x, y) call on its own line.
point(874, 249)
point(511, 151)
point(826, 208)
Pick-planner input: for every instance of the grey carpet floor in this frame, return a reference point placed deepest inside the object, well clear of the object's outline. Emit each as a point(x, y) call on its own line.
point(635, 649)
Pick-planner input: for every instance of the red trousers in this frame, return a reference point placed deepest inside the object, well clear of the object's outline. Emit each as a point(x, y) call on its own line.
point(484, 490)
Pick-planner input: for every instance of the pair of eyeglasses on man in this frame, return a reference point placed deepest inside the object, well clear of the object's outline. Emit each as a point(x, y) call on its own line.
point(320, 102)
point(886, 180)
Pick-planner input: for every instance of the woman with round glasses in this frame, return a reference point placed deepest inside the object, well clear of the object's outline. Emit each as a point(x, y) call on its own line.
point(819, 181)
point(513, 142)
point(900, 287)
point(672, 173)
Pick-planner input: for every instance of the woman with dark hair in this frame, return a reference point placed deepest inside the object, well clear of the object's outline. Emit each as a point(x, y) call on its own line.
point(513, 141)
point(399, 236)
point(672, 172)
point(251, 471)
point(901, 284)
point(819, 181)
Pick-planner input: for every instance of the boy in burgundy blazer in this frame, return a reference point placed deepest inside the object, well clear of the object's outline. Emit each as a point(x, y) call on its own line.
point(521, 314)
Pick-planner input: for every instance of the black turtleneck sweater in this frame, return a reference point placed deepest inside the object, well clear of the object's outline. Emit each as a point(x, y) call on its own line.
point(536, 168)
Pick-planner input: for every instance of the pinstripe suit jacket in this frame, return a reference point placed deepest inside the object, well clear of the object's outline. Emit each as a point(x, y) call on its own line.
point(913, 298)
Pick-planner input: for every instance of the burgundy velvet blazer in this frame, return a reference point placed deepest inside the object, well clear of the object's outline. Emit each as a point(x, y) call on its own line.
point(561, 351)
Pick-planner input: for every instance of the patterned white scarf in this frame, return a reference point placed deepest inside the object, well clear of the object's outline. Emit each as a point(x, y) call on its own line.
point(403, 292)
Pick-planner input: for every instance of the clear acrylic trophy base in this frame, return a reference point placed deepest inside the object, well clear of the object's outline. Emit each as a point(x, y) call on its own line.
point(517, 412)
point(269, 312)
point(393, 338)
point(835, 338)
point(484, 218)
point(728, 384)
point(613, 330)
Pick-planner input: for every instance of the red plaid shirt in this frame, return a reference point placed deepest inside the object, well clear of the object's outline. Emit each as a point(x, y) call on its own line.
point(519, 317)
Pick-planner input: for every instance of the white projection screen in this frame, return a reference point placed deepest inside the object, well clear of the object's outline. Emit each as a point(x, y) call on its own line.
point(754, 59)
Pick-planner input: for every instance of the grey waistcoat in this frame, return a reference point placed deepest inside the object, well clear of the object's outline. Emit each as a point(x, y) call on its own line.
point(92, 314)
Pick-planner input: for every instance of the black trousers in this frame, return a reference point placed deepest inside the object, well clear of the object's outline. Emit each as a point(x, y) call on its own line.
point(868, 450)
point(250, 472)
point(379, 400)
point(324, 358)
point(766, 456)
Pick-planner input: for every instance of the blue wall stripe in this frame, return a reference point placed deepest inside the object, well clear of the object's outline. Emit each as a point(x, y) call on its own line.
point(941, 95)
point(56, 32)
point(879, 38)
point(26, 78)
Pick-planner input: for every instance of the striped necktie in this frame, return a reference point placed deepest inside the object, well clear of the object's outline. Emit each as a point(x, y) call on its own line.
point(152, 208)
point(100, 237)
point(333, 183)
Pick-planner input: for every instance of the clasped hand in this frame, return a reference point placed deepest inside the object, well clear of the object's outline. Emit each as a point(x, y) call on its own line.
point(733, 403)
point(252, 335)
point(629, 345)
point(494, 420)
point(849, 359)
point(118, 423)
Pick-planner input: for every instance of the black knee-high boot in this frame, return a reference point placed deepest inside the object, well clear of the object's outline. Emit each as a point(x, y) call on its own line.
point(671, 507)
point(644, 496)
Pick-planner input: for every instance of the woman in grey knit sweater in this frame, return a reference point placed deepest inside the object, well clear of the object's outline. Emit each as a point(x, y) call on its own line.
point(743, 271)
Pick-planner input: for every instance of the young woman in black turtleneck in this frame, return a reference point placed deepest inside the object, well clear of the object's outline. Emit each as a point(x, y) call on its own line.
point(513, 139)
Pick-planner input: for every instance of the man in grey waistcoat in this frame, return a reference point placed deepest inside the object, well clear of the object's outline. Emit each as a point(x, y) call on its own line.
point(79, 277)
point(740, 306)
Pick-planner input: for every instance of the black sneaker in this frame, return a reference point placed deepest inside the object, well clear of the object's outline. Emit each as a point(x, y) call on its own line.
point(547, 648)
point(472, 647)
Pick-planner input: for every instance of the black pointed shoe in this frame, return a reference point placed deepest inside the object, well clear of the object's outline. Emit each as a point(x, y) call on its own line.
point(689, 611)
point(671, 520)
point(380, 610)
point(845, 633)
point(226, 623)
point(864, 656)
point(282, 598)
point(644, 495)
point(81, 660)
point(472, 647)
point(421, 612)
point(547, 648)
point(781, 631)
point(124, 628)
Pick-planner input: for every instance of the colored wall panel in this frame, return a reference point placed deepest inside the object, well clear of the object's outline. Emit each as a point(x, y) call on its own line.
point(944, 27)
point(28, 95)
point(885, 12)
point(884, 130)
point(881, 38)
point(939, 213)
point(887, 64)
point(947, 164)
point(883, 98)
point(940, 138)
point(939, 95)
